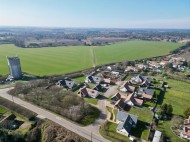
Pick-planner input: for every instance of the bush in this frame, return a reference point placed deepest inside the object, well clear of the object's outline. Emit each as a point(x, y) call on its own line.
point(65, 103)
point(187, 112)
point(17, 108)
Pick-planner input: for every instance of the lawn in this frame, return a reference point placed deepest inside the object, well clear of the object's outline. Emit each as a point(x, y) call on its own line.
point(179, 100)
point(179, 85)
point(108, 130)
point(64, 59)
point(144, 118)
point(2, 110)
point(80, 79)
point(165, 128)
point(92, 100)
point(89, 119)
point(179, 97)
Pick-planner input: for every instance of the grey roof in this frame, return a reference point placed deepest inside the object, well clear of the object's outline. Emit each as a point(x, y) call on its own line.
point(146, 91)
point(67, 82)
point(149, 91)
point(127, 121)
point(122, 116)
point(157, 136)
point(94, 79)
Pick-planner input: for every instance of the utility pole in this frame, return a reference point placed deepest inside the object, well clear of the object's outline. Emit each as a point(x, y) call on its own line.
point(91, 136)
point(12, 98)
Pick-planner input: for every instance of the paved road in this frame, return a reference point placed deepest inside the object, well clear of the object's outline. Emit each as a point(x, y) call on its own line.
point(86, 132)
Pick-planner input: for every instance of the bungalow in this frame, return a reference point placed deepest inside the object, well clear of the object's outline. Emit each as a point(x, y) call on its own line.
point(154, 64)
point(187, 121)
point(115, 98)
point(87, 92)
point(132, 101)
point(141, 66)
point(157, 136)
point(108, 81)
point(98, 87)
point(93, 79)
point(145, 93)
point(141, 80)
point(120, 104)
point(127, 88)
point(132, 69)
point(125, 122)
point(164, 63)
point(66, 83)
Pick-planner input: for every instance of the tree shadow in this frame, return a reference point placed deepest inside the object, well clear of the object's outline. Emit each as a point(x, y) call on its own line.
point(141, 126)
point(160, 97)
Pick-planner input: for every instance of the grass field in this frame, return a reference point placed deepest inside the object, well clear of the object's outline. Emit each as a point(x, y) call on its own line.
point(2, 110)
point(132, 50)
point(59, 60)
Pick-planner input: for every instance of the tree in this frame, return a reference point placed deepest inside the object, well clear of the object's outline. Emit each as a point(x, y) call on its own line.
point(166, 109)
point(169, 109)
point(187, 112)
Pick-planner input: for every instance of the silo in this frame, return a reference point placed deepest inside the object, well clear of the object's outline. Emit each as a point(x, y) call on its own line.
point(14, 67)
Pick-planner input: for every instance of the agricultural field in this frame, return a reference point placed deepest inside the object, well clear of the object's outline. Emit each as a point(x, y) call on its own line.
point(64, 59)
point(132, 50)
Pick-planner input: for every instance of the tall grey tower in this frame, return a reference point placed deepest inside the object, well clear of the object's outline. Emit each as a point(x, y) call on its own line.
point(14, 67)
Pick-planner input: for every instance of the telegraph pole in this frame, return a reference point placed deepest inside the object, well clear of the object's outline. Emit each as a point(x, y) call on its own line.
point(12, 98)
point(91, 136)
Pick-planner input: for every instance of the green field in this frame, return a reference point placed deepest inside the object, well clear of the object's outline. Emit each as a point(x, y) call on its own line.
point(59, 60)
point(2, 110)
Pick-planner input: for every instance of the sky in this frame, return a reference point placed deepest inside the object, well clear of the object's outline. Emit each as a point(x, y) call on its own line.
point(173, 14)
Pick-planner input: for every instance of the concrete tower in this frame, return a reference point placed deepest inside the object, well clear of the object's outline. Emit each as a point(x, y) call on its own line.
point(14, 67)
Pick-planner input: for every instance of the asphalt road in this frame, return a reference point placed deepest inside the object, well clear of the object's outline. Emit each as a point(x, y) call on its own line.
point(86, 132)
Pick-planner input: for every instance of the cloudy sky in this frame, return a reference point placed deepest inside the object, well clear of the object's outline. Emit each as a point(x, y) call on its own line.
point(96, 13)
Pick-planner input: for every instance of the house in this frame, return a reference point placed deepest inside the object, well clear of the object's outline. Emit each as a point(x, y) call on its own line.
point(154, 64)
point(125, 122)
point(185, 133)
point(115, 73)
point(87, 92)
point(141, 80)
point(145, 93)
point(132, 101)
point(93, 79)
point(141, 66)
point(66, 83)
point(132, 69)
point(127, 88)
point(187, 121)
point(109, 81)
point(115, 98)
point(163, 63)
point(120, 104)
point(98, 87)
point(157, 136)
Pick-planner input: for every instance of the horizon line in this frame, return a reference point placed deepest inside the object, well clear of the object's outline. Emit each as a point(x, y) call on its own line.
point(62, 27)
